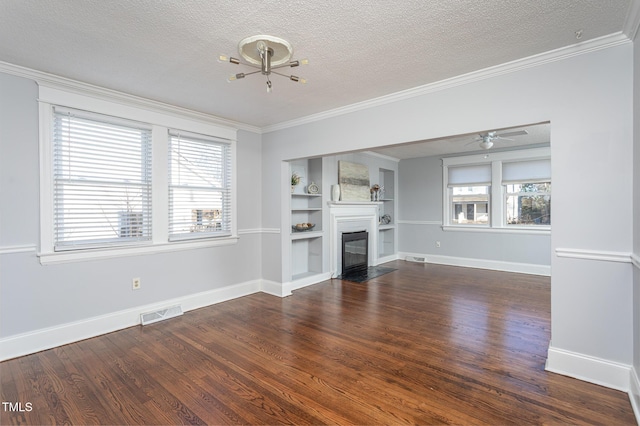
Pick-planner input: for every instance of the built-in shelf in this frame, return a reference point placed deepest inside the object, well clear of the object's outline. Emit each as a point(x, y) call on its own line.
point(305, 235)
point(306, 246)
point(387, 232)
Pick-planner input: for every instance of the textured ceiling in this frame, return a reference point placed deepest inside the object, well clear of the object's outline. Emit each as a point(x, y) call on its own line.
point(167, 50)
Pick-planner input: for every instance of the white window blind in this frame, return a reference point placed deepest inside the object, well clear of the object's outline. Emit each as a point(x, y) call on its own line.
point(102, 180)
point(199, 186)
point(527, 171)
point(477, 174)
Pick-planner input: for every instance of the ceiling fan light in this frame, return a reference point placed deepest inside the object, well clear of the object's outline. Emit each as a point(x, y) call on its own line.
point(486, 143)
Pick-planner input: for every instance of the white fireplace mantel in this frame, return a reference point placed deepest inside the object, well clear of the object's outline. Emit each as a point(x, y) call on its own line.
point(351, 216)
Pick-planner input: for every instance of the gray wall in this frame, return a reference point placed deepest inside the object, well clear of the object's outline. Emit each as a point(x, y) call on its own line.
point(421, 199)
point(587, 98)
point(34, 297)
point(636, 216)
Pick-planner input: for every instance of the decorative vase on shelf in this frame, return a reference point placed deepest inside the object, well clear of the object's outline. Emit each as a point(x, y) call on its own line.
point(293, 188)
point(335, 192)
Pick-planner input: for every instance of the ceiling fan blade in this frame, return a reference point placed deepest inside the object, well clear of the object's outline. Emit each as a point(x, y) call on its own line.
point(514, 133)
point(503, 139)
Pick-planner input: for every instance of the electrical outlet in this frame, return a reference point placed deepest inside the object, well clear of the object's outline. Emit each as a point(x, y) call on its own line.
point(438, 244)
point(135, 283)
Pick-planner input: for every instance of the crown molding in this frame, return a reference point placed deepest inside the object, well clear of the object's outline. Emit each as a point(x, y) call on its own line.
point(632, 20)
point(55, 81)
point(381, 156)
point(483, 74)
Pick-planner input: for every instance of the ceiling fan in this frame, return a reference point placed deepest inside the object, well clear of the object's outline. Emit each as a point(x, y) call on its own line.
point(487, 139)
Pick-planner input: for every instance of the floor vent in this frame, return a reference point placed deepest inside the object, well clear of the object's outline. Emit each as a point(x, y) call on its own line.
point(161, 314)
point(416, 259)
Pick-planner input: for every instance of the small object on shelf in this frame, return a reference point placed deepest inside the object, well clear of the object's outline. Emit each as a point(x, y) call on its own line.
point(335, 192)
point(385, 219)
point(302, 227)
point(313, 188)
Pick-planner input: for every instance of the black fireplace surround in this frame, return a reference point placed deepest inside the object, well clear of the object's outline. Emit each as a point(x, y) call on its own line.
point(355, 253)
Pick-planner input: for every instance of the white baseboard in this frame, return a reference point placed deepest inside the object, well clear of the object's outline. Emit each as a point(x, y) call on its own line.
point(634, 393)
point(496, 265)
point(50, 337)
point(589, 369)
point(275, 288)
point(389, 258)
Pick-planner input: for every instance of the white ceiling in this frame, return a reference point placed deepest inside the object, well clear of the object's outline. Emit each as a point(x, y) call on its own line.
point(536, 134)
point(167, 50)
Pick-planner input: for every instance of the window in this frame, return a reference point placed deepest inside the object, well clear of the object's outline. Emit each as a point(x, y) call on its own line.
point(112, 184)
point(470, 204)
point(469, 194)
point(199, 186)
point(506, 191)
point(528, 203)
point(102, 180)
point(528, 192)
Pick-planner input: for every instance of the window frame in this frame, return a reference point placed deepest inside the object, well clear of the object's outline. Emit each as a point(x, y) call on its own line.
point(161, 118)
point(497, 190)
point(223, 188)
point(523, 193)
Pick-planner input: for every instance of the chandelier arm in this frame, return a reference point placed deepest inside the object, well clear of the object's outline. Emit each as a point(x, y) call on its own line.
point(252, 72)
point(287, 65)
point(280, 74)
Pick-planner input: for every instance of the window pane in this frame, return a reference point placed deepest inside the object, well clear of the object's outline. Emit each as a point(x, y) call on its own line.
point(470, 205)
point(102, 181)
point(529, 203)
point(200, 187)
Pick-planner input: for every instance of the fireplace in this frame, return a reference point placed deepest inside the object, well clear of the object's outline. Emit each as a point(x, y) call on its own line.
point(355, 252)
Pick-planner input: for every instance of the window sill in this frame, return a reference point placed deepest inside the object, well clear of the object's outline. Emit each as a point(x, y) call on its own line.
point(51, 258)
point(479, 228)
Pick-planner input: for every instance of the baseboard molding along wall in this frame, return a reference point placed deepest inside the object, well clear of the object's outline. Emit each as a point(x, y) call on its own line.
point(51, 337)
point(589, 369)
point(496, 265)
point(634, 392)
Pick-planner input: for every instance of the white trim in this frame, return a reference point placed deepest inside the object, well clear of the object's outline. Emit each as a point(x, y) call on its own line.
point(275, 288)
point(62, 83)
point(25, 248)
point(49, 258)
point(381, 156)
point(542, 230)
point(307, 281)
point(50, 337)
point(420, 222)
point(605, 256)
point(389, 258)
point(494, 265)
point(602, 372)
point(635, 260)
point(634, 392)
point(506, 68)
point(631, 25)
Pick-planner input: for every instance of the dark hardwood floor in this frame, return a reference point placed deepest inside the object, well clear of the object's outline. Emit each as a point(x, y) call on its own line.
point(425, 344)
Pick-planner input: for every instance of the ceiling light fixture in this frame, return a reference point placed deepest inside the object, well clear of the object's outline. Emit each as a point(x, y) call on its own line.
point(266, 53)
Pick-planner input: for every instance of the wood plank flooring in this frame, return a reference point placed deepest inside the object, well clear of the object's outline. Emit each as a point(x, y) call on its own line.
point(425, 344)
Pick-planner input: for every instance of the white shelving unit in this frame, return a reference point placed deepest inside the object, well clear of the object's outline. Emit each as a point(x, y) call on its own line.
point(306, 246)
point(387, 231)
